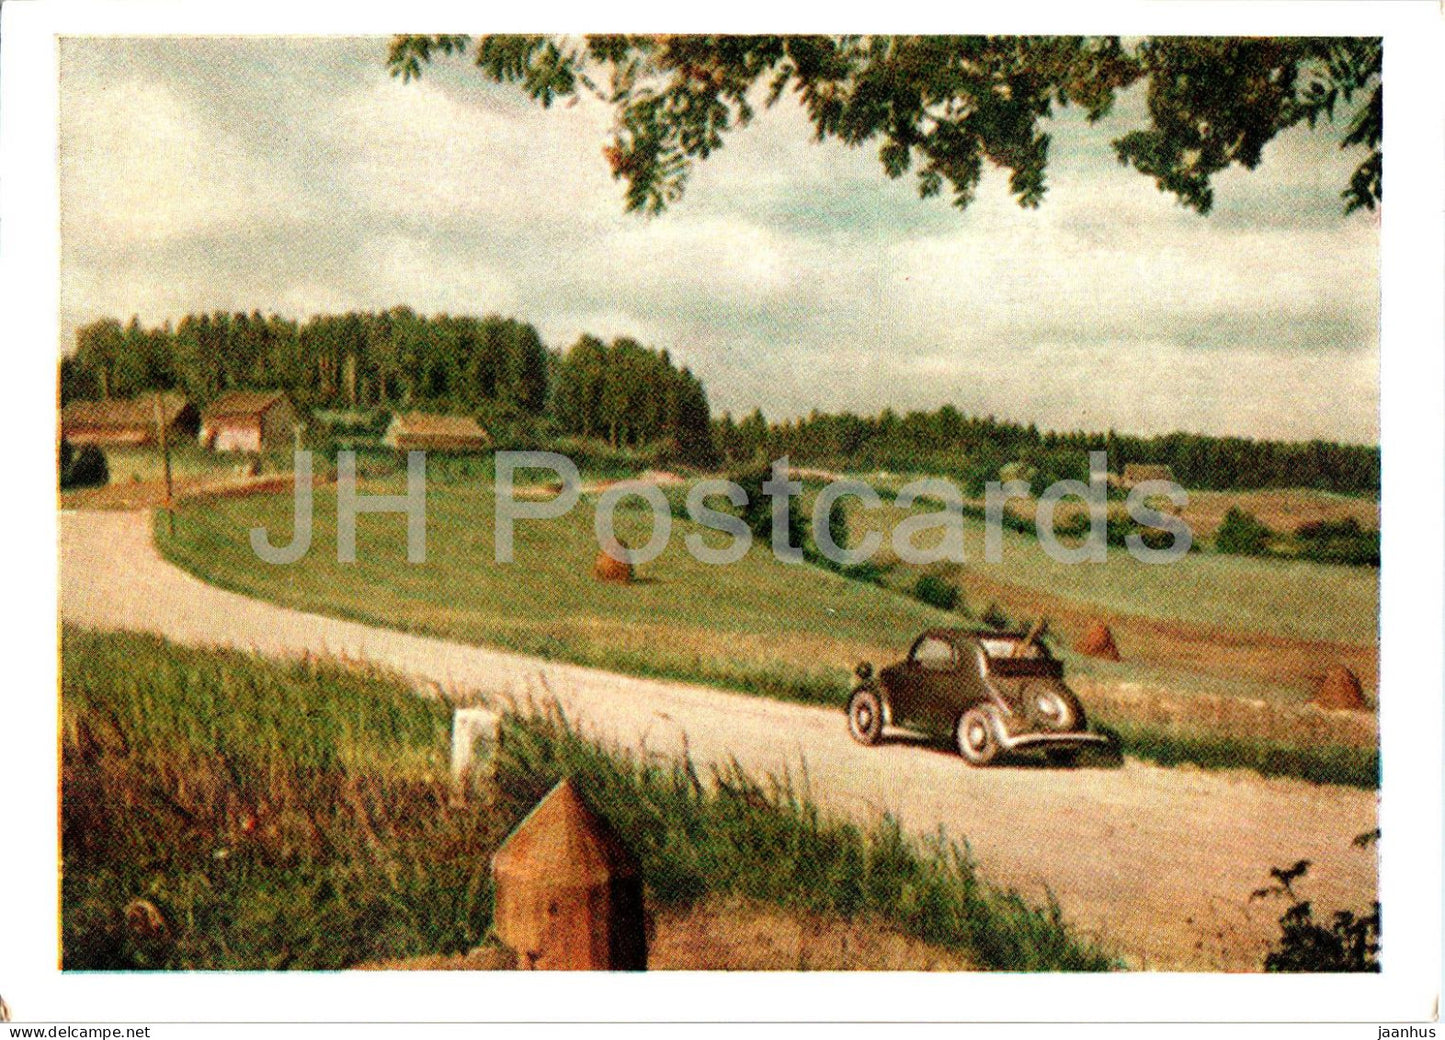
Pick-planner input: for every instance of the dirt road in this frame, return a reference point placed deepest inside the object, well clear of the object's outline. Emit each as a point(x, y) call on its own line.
point(1158, 862)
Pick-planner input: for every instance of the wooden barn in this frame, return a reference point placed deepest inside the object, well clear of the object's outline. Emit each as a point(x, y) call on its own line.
point(131, 421)
point(1139, 472)
point(249, 420)
point(421, 431)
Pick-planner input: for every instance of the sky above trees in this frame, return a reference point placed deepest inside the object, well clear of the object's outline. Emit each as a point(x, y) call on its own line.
point(297, 176)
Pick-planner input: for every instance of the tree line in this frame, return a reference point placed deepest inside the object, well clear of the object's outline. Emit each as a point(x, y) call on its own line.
point(974, 450)
point(631, 397)
point(497, 368)
point(391, 358)
point(626, 394)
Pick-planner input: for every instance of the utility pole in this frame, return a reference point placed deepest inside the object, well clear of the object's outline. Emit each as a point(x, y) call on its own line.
point(165, 465)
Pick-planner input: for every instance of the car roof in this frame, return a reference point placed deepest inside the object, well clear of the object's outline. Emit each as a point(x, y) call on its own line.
point(969, 635)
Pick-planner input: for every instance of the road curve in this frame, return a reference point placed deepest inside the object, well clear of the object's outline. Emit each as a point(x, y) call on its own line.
point(1158, 863)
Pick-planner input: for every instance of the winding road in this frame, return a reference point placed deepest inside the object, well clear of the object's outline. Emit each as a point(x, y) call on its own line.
point(1157, 863)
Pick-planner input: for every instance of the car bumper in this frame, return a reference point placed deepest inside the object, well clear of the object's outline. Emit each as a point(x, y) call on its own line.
point(1025, 741)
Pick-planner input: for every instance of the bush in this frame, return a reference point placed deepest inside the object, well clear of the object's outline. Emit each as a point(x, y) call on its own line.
point(1349, 942)
point(758, 512)
point(1339, 541)
point(994, 617)
point(87, 469)
point(67, 456)
point(1242, 534)
point(936, 592)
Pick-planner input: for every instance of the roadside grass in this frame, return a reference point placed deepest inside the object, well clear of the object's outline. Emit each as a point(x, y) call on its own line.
point(220, 811)
point(1343, 764)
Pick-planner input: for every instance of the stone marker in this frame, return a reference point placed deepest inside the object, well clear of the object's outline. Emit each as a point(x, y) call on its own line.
point(569, 894)
point(476, 733)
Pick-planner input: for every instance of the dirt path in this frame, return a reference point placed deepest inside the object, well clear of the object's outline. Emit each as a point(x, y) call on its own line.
point(1158, 862)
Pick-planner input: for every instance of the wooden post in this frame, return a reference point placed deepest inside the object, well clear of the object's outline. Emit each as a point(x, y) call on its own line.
point(165, 464)
point(569, 894)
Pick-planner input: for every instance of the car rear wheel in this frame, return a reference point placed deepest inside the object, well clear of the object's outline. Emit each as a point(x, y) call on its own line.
point(1057, 710)
point(978, 736)
point(865, 717)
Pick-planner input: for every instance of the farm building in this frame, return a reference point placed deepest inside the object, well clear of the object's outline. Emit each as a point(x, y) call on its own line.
point(421, 431)
point(1139, 472)
point(248, 420)
point(127, 421)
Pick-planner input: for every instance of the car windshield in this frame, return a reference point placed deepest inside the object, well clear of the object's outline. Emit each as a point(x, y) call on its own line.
point(1006, 647)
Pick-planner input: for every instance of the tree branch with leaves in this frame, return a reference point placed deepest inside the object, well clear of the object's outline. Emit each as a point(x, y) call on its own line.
point(942, 106)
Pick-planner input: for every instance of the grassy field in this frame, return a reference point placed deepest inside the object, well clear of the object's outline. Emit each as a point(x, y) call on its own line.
point(756, 625)
point(795, 631)
point(224, 812)
point(1291, 599)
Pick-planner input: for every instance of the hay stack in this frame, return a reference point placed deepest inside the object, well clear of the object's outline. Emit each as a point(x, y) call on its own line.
point(1098, 641)
point(1340, 690)
point(607, 567)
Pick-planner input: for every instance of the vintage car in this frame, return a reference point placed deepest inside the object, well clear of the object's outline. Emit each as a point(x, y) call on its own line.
point(989, 692)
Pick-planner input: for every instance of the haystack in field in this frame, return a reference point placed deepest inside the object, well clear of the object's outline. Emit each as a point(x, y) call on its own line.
point(1340, 690)
point(608, 566)
point(1098, 641)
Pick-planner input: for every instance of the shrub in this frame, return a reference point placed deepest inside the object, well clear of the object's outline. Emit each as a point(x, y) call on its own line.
point(87, 469)
point(1339, 541)
point(994, 617)
point(1349, 942)
point(67, 456)
point(758, 512)
point(1242, 534)
point(936, 592)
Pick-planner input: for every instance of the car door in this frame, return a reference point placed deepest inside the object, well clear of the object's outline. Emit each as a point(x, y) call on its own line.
point(923, 685)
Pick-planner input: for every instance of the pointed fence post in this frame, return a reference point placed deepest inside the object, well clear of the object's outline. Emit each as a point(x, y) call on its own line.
point(569, 893)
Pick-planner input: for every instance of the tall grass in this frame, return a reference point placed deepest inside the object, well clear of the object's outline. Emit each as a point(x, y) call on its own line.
point(298, 816)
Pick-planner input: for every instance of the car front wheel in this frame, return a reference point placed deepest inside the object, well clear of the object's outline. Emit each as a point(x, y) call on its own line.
point(865, 717)
point(978, 736)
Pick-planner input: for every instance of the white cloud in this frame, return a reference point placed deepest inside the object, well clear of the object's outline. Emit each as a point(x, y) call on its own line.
point(140, 165)
point(793, 275)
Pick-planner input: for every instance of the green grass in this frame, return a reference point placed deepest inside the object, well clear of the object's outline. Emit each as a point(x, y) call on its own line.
point(297, 816)
point(1290, 598)
point(188, 459)
point(757, 625)
point(1339, 764)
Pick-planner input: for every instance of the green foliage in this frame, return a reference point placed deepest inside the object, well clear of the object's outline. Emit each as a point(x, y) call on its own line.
point(971, 450)
point(1339, 541)
point(277, 815)
point(942, 105)
point(936, 592)
point(298, 816)
point(1321, 764)
point(631, 396)
point(757, 513)
point(1215, 102)
point(994, 617)
point(84, 468)
point(1242, 534)
point(1348, 943)
point(393, 358)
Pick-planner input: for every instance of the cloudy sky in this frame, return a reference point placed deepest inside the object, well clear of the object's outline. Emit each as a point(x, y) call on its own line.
point(296, 176)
